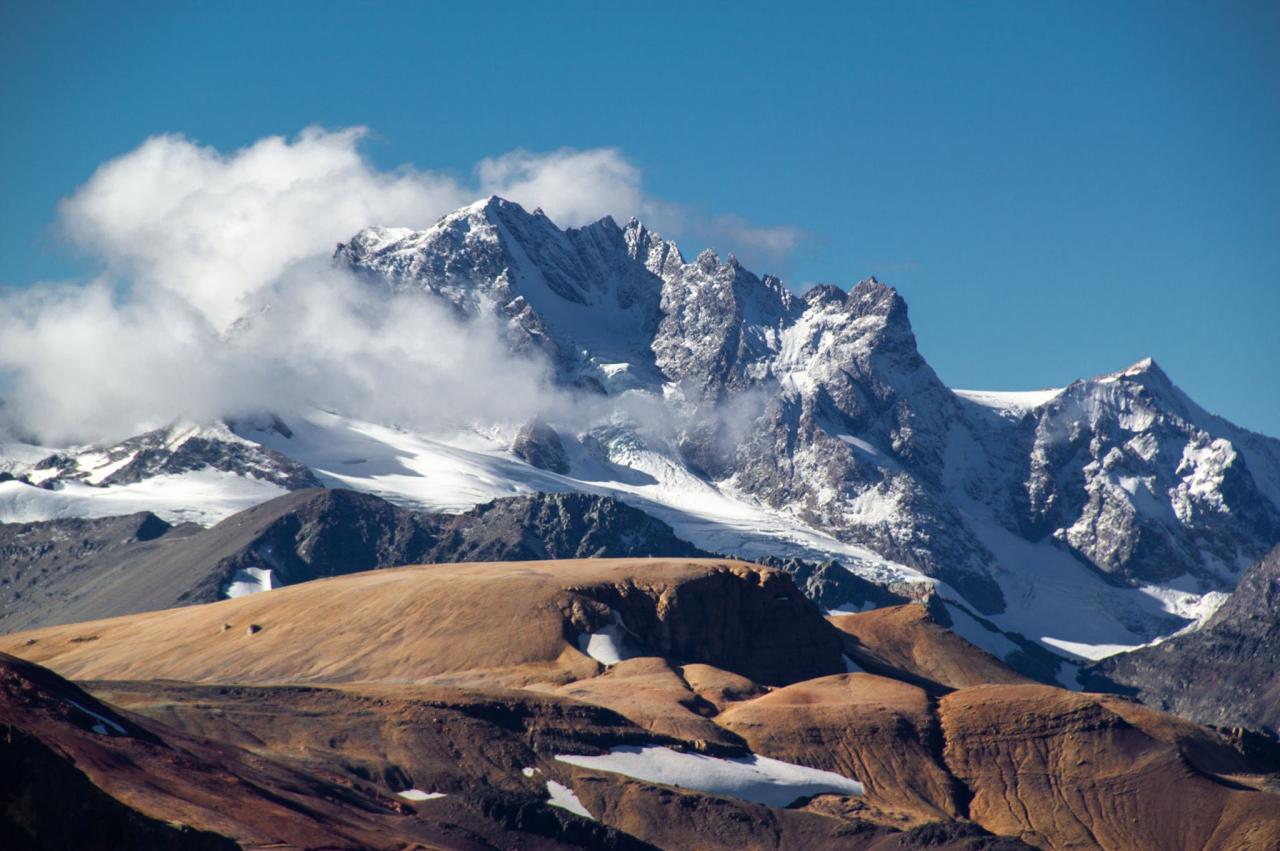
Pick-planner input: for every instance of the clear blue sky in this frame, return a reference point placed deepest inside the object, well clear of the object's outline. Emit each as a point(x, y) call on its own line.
point(1057, 189)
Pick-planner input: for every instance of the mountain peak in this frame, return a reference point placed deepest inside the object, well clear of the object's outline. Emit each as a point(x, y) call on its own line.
point(872, 298)
point(708, 260)
point(483, 205)
point(1147, 365)
point(1145, 371)
point(824, 294)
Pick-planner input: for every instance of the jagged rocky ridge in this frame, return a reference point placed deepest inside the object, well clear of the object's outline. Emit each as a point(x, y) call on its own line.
point(845, 424)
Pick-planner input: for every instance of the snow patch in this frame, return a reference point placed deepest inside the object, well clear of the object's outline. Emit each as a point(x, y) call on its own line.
point(563, 797)
point(419, 795)
point(751, 778)
point(1011, 402)
point(971, 630)
point(105, 726)
point(250, 580)
point(608, 646)
point(202, 496)
point(455, 472)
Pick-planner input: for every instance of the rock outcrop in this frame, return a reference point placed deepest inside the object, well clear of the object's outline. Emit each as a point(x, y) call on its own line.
point(1226, 674)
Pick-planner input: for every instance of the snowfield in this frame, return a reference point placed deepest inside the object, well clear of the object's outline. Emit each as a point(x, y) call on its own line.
point(202, 496)
point(751, 778)
point(1054, 599)
point(456, 472)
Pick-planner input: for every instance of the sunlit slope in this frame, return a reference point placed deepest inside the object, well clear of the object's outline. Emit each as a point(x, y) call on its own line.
point(519, 622)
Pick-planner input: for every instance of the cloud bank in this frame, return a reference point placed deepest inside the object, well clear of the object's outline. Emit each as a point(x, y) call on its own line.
point(192, 240)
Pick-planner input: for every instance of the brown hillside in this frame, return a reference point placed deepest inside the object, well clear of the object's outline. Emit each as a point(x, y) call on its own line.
point(905, 640)
point(1066, 770)
point(507, 622)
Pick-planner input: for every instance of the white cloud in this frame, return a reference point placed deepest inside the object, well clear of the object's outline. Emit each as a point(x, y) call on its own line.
point(192, 239)
point(82, 363)
point(214, 227)
point(572, 187)
point(755, 243)
point(86, 366)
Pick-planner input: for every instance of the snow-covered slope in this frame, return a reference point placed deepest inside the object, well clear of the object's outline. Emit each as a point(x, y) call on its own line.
point(186, 472)
point(1086, 519)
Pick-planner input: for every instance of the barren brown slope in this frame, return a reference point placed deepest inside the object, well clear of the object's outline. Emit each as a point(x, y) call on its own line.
point(1054, 768)
point(493, 753)
point(512, 622)
point(1066, 770)
point(77, 773)
point(904, 641)
point(651, 693)
point(878, 730)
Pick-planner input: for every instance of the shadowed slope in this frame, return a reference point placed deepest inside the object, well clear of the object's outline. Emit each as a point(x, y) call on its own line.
point(78, 773)
point(1227, 673)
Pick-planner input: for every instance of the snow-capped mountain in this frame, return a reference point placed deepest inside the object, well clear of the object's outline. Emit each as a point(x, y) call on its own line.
point(1087, 519)
point(174, 450)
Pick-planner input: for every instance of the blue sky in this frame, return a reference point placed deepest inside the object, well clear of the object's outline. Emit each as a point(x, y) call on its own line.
point(1057, 189)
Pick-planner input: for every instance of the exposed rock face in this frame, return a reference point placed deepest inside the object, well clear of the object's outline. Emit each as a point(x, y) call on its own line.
point(657, 695)
point(832, 586)
point(44, 566)
point(1224, 674)
point(78, 771)
point(539, 445)
point(742, 618)
point(813, 412)
point(1143, 484)
point(496, 755)
point(907, 643)
point(861, 726)
point(564, 525)
point(619, 309)
point(297, 537)
point(477, 680)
